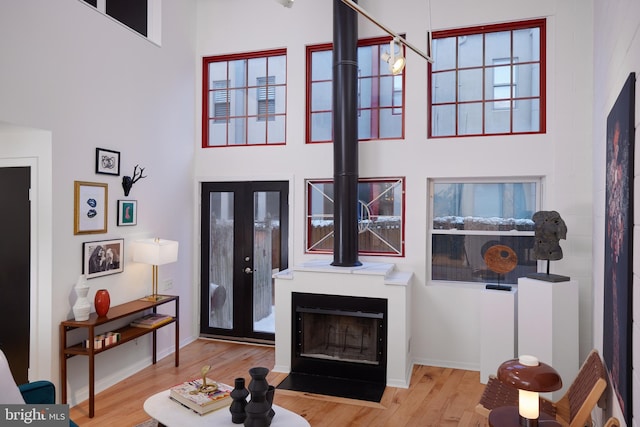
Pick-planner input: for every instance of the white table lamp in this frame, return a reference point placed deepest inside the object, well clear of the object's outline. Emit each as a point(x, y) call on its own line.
point(155, 252)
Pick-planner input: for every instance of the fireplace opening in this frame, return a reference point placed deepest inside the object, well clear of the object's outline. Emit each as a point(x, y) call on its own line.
point(338, 346)
point(335, 335)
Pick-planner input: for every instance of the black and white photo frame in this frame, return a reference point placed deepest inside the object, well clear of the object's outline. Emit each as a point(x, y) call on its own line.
point(102, 258)
point(107, 161)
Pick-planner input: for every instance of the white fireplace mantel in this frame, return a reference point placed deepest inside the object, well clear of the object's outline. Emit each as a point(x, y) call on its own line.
point(372, 280)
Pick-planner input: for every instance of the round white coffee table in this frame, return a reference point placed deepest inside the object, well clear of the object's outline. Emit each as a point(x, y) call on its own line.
point(172, 414)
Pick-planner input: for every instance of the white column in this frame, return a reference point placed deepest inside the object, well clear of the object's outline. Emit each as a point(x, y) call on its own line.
point(548, 326)
point(498, 313)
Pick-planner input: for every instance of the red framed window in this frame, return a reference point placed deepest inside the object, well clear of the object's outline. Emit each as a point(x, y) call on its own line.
point(380, 216)
point(380, 93)
point(244, 99)
point(488, 80)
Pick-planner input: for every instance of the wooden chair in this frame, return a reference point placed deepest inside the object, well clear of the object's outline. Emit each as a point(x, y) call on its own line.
point(612, 422)
point(573, 409)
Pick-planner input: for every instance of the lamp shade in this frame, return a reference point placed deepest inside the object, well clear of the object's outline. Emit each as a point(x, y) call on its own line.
point(155, 251)
point(527, 373)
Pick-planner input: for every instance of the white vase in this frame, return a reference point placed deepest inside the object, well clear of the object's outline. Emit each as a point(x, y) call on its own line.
point(82, 307)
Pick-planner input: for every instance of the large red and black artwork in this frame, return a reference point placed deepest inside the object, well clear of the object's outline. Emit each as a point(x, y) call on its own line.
point(618, 253)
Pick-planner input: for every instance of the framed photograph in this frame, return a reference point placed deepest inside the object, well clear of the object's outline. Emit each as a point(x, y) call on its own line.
point(90, 208)
point(107, 161)
point(127, 212)
point(618, 251)
point(102, 258)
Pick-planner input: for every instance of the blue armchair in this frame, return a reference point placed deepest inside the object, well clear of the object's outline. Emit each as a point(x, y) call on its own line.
point(40, 392)
point(34, 393)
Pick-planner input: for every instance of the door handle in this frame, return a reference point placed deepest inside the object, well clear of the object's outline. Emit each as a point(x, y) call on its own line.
point(248, 270)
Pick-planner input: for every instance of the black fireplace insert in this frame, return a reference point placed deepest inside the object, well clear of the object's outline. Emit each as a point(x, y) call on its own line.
point(338, 346)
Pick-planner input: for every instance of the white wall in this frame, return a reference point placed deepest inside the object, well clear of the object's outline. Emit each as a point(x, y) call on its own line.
point(90, 82)
point(616, 54)
point(446, 318)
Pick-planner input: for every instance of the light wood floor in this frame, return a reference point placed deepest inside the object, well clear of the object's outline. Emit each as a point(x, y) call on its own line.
point(436, 397)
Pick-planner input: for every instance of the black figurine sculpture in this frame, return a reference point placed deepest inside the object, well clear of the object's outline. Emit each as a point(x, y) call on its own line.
point(128, 181)
point(258, 409)
point(549, 229)
point(238, 405)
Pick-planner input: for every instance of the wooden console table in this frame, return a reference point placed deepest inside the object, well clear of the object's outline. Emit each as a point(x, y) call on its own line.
point(127, 333)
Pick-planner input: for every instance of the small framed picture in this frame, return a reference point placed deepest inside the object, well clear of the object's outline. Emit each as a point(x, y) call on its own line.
point(127, 212)
point(102, 258)
point(107, 161)
point(90, 207)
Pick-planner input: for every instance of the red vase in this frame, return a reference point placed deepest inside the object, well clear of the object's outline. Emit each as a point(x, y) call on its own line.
point(102, 302)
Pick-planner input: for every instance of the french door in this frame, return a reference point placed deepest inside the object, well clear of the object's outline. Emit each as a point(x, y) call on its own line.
point(244, 242)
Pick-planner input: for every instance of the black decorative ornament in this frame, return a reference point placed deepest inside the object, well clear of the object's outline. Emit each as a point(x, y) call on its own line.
point(270, 395)
point(128, 181)
point(239, 395)
point(258, 407)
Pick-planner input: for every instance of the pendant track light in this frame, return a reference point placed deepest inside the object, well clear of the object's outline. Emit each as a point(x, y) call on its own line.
point(395, 60)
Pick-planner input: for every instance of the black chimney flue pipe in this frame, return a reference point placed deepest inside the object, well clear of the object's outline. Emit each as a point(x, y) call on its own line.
point(345, 135)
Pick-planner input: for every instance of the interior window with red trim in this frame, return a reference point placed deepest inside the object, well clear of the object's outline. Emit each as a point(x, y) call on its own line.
point(380, 216)
point(244, 99)
point(488, 80)
point(380, 93)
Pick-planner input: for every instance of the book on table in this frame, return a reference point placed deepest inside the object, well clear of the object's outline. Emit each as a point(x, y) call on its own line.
point(189, 394)
point(151, 320)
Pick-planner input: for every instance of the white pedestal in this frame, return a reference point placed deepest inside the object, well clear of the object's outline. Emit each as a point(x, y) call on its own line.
point(498, 330)
point(548, 326)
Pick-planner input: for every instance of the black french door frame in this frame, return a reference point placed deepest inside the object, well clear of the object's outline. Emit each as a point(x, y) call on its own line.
point(236, 294)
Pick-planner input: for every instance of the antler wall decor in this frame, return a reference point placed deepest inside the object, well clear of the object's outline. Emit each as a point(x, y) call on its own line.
point(128, 181)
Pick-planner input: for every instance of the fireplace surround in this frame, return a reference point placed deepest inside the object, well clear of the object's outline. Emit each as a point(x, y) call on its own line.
point(380, 283)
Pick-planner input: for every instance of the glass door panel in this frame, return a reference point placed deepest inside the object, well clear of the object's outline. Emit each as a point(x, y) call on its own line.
point(221, 243)
point(266, 257)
